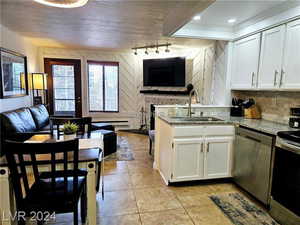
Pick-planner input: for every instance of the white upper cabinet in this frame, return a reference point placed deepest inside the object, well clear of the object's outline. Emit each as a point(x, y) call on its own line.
point(271, 58)
point(291, 65)
point(278, 60)
point(245, 63)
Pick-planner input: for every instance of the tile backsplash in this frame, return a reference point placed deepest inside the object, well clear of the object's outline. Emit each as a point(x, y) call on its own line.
point(275, 106)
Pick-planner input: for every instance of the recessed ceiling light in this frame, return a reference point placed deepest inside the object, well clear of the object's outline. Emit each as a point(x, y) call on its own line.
point(196, 17)
point(63, 3)
point(231, 20)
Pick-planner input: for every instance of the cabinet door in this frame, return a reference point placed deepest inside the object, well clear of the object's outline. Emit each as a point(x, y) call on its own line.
point(271, 58)
point(290, 72)
point(188, 159)
point(218, 157)
point(245, 63)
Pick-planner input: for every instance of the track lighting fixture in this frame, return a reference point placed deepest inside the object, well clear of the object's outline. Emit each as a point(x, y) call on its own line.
point(152, 46)
point(157, 52)
point(167, 49)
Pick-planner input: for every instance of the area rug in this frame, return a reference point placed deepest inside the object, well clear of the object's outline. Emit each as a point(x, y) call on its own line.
point(123, 153)
point(241, 211)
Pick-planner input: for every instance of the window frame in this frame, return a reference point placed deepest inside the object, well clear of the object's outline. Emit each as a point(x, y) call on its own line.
point(103, 63)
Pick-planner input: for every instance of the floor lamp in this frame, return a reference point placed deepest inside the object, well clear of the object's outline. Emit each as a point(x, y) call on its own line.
point(38, 83)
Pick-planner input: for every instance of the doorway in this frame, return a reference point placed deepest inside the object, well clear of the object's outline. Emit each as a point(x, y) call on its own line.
point(64, 87)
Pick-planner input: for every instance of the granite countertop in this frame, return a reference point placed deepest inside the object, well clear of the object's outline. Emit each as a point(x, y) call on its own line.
point(257, 124)
point(193, 105)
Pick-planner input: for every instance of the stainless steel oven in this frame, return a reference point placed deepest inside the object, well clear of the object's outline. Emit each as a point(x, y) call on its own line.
point(285, 190)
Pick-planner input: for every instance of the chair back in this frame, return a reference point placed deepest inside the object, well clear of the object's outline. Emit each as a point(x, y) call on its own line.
point(23, 157)
point(81, 122)
point(152, 117)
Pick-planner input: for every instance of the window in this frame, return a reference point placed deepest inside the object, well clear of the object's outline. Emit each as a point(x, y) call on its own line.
point(63, 89)
point(103, 86)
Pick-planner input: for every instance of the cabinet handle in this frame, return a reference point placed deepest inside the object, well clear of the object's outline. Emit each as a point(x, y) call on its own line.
point(252, 82)
point(201, 147)
point(281, 76)
point(207, 148)
point(275, 78)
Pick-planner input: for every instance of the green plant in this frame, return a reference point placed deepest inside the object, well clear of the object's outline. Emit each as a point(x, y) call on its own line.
point(70, 128)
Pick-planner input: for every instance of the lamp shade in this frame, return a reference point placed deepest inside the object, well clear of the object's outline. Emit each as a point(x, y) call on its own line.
point(23, 81)
point(38, 81)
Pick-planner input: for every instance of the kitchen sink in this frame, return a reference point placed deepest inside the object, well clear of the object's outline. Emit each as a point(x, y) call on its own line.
point(202, 118)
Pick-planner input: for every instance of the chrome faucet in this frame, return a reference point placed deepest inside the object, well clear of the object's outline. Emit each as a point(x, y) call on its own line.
point(195, 92)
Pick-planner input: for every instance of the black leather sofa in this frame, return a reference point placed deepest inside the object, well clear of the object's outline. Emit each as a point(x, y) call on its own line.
point(21, 124)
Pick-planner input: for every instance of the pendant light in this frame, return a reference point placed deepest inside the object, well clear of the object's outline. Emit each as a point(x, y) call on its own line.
point(63, 3)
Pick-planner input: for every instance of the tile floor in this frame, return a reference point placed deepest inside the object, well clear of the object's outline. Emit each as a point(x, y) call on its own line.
point(136, 195)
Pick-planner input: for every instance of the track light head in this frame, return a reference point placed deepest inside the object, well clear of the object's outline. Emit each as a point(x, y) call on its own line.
point(155, 46)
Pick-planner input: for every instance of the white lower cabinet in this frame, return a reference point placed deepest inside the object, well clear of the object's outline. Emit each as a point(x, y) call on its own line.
point(218, 157)
point(188, 158)
point(201, 158)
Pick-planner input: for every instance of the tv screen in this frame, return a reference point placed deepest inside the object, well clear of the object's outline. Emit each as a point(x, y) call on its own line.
point(169, 72)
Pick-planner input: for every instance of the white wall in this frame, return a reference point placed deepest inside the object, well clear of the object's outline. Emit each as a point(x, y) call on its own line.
point(130, 77)
point(13, 41)
point(221, 94)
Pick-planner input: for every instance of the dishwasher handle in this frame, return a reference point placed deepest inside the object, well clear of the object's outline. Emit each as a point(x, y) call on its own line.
point(252, 138)
point(255, 136)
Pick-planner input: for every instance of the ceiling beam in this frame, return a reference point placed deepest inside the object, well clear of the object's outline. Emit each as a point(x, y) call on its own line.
point(182, 13)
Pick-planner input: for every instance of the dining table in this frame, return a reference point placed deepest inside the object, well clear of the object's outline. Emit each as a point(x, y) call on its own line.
point(90, 158)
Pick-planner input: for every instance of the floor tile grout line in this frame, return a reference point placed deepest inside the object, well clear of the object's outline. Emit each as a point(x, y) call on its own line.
point(185, 209)
point(123, 214)
point(140, 218)
point(157, 211)
point(137, 207)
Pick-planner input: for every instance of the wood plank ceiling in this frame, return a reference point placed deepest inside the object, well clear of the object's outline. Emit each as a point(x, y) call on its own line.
point(113, 24)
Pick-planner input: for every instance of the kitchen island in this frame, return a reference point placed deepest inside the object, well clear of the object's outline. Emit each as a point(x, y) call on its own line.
point(200, 148)
point(193, 149)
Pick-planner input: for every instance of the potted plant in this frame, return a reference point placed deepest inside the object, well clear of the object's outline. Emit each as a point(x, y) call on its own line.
point(69, 130)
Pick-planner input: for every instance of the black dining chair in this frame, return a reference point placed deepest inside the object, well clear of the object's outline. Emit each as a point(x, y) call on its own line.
point(56, 191)
point(151, 132)
point(56, 122)
point(81, 122)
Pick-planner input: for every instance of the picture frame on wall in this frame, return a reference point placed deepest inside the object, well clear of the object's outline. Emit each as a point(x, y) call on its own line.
point(13, 74)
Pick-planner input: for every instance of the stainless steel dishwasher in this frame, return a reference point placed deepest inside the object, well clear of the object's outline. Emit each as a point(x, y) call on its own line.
point(252, 162)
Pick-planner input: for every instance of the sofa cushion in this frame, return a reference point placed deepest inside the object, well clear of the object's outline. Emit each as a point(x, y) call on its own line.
point(19, 120)
point(40, 116)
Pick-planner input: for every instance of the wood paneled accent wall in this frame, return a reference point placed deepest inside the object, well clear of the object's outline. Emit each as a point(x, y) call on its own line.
point(131, 76)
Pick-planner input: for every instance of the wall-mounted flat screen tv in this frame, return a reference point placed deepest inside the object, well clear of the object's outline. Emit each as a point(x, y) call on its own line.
point(168, 72)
